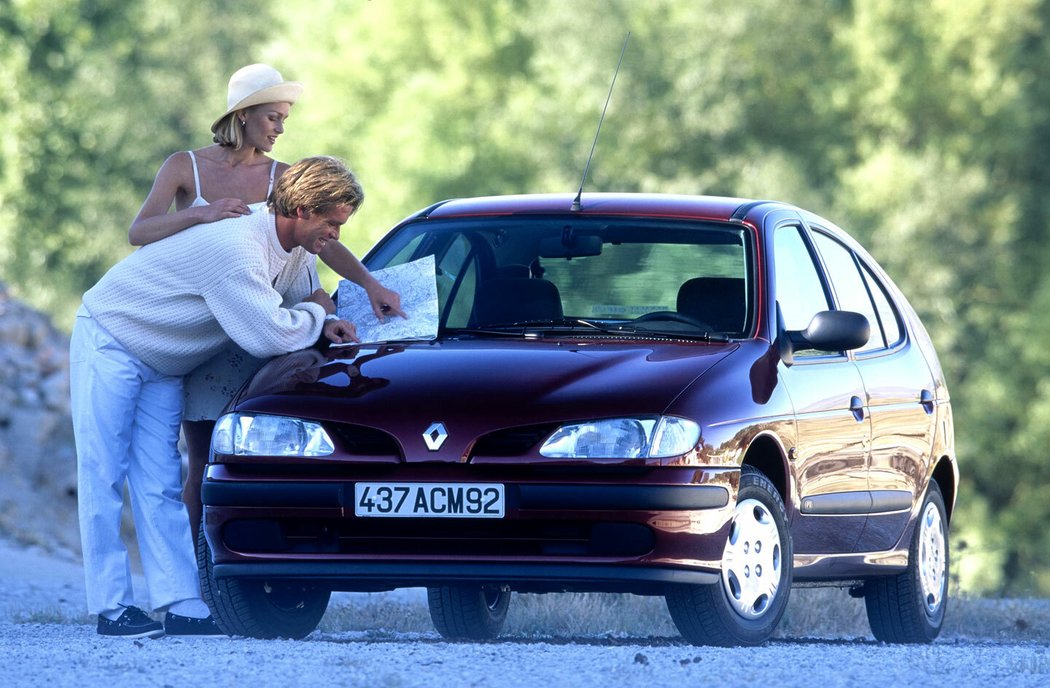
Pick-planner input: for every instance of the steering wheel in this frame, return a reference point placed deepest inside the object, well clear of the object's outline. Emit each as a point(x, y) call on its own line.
point(673, 316)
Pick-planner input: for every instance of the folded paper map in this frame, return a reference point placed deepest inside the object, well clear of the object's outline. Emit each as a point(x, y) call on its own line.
point(417, 287)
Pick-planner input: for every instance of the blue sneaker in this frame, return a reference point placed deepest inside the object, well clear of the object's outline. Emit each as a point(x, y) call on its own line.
point(133, 623)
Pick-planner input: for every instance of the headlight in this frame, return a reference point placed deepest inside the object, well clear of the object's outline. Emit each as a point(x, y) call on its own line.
point(623, 438)
point(244, 435)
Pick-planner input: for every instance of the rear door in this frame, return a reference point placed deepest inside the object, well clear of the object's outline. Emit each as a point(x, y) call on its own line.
point(899, 395)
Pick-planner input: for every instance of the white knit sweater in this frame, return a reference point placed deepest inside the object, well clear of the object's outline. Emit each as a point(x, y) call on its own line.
point(176, 302)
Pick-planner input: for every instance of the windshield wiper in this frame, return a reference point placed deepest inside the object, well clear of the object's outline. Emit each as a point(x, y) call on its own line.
point(632, 330)
point(678, 334)
point(544, 324)
point(525, 327)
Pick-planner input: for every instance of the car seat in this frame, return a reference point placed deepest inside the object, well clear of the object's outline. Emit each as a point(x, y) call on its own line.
point(717, 301)
point(509, 300)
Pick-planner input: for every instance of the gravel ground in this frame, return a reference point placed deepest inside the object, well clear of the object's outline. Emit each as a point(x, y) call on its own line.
point(46, 639)
point(73, 655)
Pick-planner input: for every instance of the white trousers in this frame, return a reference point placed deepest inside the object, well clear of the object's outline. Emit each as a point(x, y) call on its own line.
point(126, 425)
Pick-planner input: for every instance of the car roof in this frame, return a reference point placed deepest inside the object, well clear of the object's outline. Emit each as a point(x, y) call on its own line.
point(629, 204)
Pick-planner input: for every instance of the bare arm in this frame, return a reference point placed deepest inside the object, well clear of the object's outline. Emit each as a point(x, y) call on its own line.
point(154, 222)
point(384, 301)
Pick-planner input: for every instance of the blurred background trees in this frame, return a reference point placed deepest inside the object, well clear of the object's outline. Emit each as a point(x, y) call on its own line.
point(921, 128)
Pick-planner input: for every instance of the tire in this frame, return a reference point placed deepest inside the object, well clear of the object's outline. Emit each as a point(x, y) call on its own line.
point(468, 612)
point(909, 607)
point(745, 607)
point(259, 608)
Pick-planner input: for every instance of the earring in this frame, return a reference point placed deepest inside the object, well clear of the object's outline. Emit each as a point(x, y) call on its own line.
point(242, 122)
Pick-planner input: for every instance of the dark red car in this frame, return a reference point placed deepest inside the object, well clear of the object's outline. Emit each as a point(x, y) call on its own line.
point(708, 399)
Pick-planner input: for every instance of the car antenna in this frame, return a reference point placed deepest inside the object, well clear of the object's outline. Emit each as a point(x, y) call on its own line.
point(576, 201)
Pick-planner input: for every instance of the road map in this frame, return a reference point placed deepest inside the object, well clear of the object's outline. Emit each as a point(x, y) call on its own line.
point(417, 286)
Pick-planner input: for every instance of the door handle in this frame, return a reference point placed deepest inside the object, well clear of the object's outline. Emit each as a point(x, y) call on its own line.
point(857, 407)
point(926, 401)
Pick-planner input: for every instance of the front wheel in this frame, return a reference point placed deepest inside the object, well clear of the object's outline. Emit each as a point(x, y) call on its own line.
point(909, 607)
point(468, 612)
point(258, 608)
point(746, 606)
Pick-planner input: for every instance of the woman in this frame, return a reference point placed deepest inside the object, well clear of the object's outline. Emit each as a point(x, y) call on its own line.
point(221, 181)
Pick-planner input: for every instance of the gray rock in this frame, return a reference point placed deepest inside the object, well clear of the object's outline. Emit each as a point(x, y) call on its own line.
point(37, 454)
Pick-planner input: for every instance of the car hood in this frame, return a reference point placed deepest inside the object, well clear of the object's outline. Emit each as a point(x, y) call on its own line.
point(478, 386)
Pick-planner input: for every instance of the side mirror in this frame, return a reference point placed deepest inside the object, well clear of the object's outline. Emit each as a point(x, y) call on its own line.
point(827, 331)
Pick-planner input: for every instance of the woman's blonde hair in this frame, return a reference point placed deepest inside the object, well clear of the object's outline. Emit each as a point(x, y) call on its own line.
point(229, 132)
point(316, 184)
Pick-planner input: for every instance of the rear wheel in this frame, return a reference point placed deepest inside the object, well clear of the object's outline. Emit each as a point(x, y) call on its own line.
point(258, 608)
point(468, 612)
point(909, 607)
point(745, 607)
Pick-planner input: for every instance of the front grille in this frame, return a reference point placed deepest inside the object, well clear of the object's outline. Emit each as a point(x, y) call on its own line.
point(439, 537)
point(512, 442)
point(359, 440)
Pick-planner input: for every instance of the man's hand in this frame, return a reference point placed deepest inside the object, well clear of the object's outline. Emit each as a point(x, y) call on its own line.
point(385, 302)
point(321, 298)
point(340, 332)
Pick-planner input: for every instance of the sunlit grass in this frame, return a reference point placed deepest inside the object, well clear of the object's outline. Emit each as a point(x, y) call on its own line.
point(828, 613)
point(374, 613)
point(812, 613)
point(55, 616)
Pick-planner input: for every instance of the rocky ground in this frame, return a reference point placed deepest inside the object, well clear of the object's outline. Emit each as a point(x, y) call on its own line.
point(47, 640)
point(37, 458)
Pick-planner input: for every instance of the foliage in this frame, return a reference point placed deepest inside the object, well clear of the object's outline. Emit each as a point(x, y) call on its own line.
point(99, 93)
point(922, 128)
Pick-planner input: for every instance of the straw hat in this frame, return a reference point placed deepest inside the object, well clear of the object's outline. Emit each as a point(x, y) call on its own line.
point(257, 84)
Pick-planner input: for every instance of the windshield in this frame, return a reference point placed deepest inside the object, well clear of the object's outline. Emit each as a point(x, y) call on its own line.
point(618, 275)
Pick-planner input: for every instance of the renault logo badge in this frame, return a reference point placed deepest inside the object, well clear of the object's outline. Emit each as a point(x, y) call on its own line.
point(435, 436)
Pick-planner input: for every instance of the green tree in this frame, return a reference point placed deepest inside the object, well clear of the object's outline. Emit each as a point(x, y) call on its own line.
point(924, 129)
point(948, 191)
point(415, 96)
point(100, 92)
point(920, 128)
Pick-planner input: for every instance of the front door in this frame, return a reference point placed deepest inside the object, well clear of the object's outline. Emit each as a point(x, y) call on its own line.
point(829, 459)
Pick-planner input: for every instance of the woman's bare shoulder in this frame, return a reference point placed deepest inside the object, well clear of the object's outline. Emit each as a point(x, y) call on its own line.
point(213, 153)
point(177, 169)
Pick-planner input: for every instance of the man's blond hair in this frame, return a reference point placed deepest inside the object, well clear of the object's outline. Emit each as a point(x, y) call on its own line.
point(316, 184)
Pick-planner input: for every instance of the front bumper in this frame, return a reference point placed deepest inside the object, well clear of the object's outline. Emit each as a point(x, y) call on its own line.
point(629, 531)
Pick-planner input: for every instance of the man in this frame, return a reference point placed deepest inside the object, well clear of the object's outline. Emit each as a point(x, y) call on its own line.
point(152, 318)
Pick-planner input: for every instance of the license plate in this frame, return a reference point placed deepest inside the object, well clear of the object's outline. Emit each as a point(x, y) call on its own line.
point(429, 500)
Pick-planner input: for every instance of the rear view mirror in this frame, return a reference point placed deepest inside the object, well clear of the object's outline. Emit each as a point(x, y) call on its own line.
point(571, 246)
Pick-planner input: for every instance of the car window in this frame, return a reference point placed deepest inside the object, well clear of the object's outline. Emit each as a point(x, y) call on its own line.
point(665, 276)
point(850, 290)
point(800, 292)
point(456, 279)
point(639, 278)
point(456, 258)
point(408, 251)
point(888, 315)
